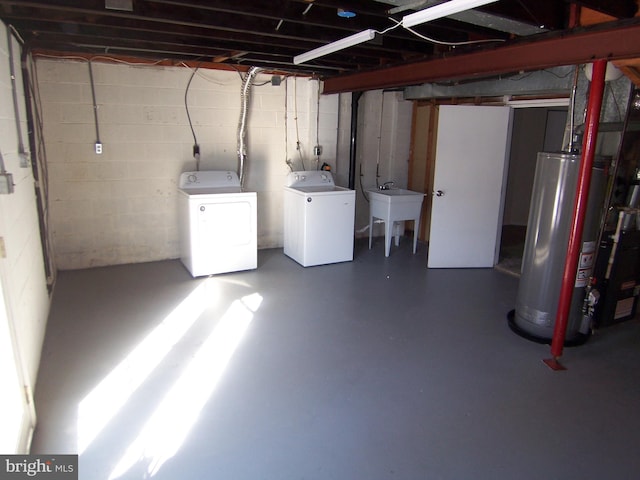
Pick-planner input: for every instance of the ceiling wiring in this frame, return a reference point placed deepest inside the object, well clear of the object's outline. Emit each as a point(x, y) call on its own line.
point(398, 24)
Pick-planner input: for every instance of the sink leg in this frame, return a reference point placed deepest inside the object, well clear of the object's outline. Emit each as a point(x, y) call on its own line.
point(416, 227)
point(388, 233)
point(370, 230)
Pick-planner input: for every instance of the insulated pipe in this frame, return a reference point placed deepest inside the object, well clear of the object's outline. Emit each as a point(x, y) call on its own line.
point(355, 101)
point(580, 205)
point(242, 124)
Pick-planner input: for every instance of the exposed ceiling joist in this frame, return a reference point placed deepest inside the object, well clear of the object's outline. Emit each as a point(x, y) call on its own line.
point(578, 47)
point(613, 8)
point(242, 33)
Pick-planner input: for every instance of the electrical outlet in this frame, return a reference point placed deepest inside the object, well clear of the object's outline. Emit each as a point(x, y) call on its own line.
point(98, 148)
point(317, 150)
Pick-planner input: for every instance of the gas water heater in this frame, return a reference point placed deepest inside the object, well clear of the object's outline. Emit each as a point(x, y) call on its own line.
point(545, 250)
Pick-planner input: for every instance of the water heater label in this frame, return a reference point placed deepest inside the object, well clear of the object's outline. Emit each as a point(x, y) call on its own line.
point(585, 264)
point(586, 260)
point(582, 278)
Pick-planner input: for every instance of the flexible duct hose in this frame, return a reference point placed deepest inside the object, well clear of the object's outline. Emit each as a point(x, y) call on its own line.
point(242, 124)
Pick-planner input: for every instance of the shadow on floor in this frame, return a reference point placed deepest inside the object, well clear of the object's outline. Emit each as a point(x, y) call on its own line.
point(511, 249)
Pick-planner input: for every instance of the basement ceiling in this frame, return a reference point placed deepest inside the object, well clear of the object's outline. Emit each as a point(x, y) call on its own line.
point(239, 34)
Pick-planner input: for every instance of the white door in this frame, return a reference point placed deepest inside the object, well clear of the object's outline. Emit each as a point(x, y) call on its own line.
point(15, 413)
point(469, 182)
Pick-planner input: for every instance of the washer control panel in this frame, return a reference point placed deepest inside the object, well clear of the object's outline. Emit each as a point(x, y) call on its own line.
point(310, 178)
point(208, 179)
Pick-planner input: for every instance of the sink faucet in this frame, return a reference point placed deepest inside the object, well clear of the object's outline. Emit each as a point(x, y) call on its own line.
point(386, 185)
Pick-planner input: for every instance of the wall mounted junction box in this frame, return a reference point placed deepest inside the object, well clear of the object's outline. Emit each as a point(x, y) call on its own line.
point(6, 183)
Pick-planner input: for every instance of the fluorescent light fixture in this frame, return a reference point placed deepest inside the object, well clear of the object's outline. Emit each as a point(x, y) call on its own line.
point(341, 44)
point(441, 10)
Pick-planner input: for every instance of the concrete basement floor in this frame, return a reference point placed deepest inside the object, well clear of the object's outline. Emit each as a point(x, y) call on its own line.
point(372, 369)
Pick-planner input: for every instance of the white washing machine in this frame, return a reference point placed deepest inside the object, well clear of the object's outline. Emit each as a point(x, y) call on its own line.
point(218, 223)
point(318, 219)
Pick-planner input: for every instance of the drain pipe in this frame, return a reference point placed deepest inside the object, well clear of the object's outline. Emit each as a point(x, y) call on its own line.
point(242, 124)
point(594, 107)
point(355, 101)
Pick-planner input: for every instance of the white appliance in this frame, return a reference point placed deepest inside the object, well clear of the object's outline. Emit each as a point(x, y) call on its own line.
point(218, 223)
point(318, 219)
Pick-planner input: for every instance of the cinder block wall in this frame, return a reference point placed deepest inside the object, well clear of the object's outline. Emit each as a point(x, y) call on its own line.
point(120, 206)
point(24, 305)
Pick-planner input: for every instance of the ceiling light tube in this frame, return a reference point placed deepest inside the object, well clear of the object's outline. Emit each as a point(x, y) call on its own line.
point(341, 44)
point(441, 10)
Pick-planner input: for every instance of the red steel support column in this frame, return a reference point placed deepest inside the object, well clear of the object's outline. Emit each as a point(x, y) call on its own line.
point(594, 106)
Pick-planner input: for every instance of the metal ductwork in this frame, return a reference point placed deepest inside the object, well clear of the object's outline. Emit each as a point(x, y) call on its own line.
point(242, 124)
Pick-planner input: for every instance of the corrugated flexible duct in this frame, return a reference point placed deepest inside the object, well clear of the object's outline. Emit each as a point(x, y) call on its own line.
point(242, 124)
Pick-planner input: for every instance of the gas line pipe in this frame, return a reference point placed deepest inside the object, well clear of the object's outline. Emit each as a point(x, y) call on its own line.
point(594, 107)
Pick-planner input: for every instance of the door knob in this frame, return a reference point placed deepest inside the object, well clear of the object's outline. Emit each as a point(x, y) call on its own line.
point(438, 193)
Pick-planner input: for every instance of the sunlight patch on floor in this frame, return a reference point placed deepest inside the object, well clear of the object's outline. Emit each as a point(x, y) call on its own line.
point(168, 426)
point(97, 409)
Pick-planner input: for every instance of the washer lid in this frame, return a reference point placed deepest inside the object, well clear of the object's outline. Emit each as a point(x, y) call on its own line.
point(208, 181)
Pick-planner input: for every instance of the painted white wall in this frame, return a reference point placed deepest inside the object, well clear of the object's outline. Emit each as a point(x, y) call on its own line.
point(22, 275)
point(120, 207)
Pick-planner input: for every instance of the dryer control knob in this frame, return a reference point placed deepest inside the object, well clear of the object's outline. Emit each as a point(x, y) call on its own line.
point(229, 177)
point(324, 177)
point(193, 178)
point(202, 208)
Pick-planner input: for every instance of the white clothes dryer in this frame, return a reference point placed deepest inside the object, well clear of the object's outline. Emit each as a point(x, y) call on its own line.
point(218, 223)
point(318, 219)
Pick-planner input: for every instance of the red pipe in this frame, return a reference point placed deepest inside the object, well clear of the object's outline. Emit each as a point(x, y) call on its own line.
point(580, 205)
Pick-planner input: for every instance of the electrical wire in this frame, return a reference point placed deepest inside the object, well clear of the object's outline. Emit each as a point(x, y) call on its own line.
point(286, 125)
point(453, 44)
point(438, 42)
point(393, 27)
point(186, 105)
point(533, 17)
point(196, 145)
point(379, 141)
point(207, 78)
point(39, 158)
point(14, 94)
point(95, 105)
point(318, 127)
point(100, 57)
point(295, 112)
point(364, 194)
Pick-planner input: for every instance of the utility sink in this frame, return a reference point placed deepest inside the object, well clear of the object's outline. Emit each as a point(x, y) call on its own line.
point(395, 205)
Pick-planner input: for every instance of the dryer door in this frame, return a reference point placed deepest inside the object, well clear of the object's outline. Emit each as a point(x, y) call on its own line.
point(225, 224)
